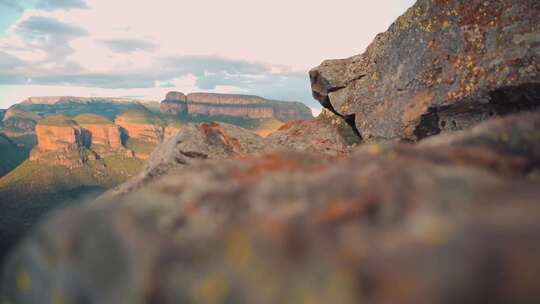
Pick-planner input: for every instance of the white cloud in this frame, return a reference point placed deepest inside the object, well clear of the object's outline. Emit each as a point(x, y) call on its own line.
point(233, 45)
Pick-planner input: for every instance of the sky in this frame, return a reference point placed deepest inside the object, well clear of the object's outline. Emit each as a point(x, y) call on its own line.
point(143, 49)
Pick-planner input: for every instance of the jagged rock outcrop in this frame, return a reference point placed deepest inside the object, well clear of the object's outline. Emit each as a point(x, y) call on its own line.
point(192, 143)
point(102, 131)
point(442, 66)
point(451, 220)
point(247, 106)
point(142, 125)
point(195, 142)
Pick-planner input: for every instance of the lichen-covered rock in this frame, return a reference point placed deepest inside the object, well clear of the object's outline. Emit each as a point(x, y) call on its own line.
point(442, 66)
point(453, 220)
point(310, 136)
point(194, 142)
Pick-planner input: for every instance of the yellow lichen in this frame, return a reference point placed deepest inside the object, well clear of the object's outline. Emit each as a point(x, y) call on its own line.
point(445, 24)
point(212, 290)
point(23, 281)
point(374, 76)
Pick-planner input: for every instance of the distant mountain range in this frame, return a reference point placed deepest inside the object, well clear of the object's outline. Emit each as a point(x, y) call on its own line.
point(56, 150)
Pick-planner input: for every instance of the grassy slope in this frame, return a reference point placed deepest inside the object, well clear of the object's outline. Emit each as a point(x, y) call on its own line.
point(141, 116)
point(35, 188)
point(92, 119)
point(10, 155)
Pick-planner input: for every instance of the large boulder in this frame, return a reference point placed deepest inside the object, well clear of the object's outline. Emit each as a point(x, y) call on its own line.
point(442, 66)
point(453, 220)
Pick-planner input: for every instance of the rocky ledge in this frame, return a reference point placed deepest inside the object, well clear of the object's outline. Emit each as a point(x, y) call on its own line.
point(442, 66)
point(233, 105)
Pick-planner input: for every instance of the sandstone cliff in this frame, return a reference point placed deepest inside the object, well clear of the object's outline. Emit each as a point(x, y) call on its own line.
point(142, 125)
point(442, 66)
point(57, 133)
point(102, 131)
point(233, 105)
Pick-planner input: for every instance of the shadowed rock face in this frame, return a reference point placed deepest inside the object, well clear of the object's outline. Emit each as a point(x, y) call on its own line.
point(453, 219)
point(233, 105)
point(442, 66)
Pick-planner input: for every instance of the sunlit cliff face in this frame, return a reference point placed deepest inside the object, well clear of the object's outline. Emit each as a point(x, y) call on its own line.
point(256, 47)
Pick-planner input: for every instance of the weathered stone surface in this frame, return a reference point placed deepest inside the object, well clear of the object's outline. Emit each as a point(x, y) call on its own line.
point(171, 130)
point(247, 106)
point(442, 66)
point(194, 142)
point(449, 220)
point(310, 136)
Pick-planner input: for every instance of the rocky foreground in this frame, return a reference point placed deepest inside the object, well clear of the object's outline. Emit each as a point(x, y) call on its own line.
point(440, 203)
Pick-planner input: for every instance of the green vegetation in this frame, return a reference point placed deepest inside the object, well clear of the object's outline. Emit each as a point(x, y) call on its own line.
point(92, 119)
point(141, 116)
point(344, 129)
point(140, 146)
point(244, 122)
point(36, 187)
point(11, 155)
point(57, 121)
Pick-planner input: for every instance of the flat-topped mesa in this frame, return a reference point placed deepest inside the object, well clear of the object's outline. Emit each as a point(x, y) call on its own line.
point(175, 103)
point(51, 100)
point(59, 133)
point(235, 105)
point(103, 131)
point(442, 66)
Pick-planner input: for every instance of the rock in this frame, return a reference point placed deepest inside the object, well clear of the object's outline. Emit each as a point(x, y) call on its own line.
point(174, 104)
point(246, 106)
point(194, 142)
point(453, 220)
point(58, 133)
point(142, 125)
point(308, 135)
point(171, 130)
point(103, 131)
point(442, 66)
